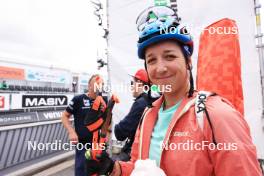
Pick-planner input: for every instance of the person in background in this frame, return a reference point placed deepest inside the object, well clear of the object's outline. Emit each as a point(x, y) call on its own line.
point(126, 128)
point(79, 106)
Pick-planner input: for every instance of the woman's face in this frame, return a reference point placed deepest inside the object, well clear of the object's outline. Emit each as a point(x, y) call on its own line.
point(166, 66)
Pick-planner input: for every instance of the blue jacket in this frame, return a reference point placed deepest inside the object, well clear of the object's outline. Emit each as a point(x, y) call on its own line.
point(127, 127)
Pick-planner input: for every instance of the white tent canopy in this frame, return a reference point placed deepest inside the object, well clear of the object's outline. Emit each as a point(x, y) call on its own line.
point(197, 15)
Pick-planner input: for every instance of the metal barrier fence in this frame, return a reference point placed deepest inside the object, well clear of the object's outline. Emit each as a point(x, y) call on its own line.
point(15, 139)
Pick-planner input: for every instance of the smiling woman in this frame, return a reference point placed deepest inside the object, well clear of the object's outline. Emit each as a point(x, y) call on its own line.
point(166, 65)
point(167, 59)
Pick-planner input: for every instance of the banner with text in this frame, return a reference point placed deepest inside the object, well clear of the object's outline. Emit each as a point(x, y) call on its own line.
point(22, 101)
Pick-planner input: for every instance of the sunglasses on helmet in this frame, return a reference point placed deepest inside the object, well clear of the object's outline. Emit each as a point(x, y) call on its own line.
point(152, 14)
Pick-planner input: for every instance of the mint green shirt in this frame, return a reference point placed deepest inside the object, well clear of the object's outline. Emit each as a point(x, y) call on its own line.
point(159, 132)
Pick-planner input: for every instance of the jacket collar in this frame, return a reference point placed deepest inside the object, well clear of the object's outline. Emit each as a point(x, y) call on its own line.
point(151, 118)
point(141, 95)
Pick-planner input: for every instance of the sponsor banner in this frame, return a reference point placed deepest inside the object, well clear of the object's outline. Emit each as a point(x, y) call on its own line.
point(22, 101)
point(47, 75)
point(49, 115)
point(12, 119)
point(12, 73)
point(29, 117)
point(29, 101)
point(4, 102)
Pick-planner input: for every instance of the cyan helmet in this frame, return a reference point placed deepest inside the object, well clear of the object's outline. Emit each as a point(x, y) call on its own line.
point(159, 23)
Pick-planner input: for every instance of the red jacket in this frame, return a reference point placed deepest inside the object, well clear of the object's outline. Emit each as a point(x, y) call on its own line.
point(230, 130)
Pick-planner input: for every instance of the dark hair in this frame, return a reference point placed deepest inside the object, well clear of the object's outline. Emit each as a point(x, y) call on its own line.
point(187, 58)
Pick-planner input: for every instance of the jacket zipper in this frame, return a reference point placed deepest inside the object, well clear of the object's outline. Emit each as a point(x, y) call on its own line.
point(185, 109)
point(141, 135)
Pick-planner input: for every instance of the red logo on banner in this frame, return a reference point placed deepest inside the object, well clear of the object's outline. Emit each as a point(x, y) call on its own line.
point(2, 102)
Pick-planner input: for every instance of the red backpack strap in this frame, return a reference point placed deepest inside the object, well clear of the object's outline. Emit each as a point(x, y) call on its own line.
point(200, 109)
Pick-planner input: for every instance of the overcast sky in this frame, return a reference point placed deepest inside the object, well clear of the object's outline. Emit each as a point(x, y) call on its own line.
point(60, 33)
point(49, 32)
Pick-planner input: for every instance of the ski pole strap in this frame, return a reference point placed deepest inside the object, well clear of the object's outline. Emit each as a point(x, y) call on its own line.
point(96, 125)
point(107, 122)
point(98, 145)
point(94, 118)
point(100, 127)
point(95, 141)
point(99, 103)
